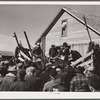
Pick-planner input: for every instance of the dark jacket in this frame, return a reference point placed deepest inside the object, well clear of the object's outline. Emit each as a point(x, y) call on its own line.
point(96, 61)
point(20, 85)
point(44, 76)
point(75, 55)
point(37, 51)
point(72, 55)
point(35, 82)
point(70, 74)
point(1, 79)
point(53, 52)
point(7, 80)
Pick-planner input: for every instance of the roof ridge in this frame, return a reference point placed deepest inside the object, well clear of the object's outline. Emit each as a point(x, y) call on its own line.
point(73, 10)
point(69, 9)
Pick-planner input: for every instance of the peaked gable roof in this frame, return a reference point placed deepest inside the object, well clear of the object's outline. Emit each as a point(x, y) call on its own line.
point(93, 22)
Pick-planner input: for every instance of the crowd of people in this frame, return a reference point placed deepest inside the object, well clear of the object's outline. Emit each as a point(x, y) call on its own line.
point(55, 74)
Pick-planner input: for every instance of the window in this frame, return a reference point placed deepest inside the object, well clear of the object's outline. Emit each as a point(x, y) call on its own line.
point(64, 25)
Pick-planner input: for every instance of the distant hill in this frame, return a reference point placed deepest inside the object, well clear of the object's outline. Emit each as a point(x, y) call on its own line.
point(6, 53)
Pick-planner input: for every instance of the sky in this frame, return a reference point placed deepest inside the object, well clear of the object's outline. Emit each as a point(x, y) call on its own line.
point(33, 19)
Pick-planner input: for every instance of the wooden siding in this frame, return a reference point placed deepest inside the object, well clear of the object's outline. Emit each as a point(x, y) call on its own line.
point(77, 35)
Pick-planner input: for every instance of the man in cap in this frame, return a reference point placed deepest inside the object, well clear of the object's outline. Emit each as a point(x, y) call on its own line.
point(53, 51)
point(35, 82)
point(37, 51)
point(79, 83)
point(38, 55)
point(9, 78)
point(20, 84)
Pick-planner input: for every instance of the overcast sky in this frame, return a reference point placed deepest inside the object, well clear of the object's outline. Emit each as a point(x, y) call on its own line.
point(31, 18)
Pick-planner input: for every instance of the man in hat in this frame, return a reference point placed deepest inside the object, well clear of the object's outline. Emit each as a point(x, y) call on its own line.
point(79, 83)
point(69, 55)
point(37, 51)
point(65, 52)
point(38, 55)
point(20, 84)
point(9, 78)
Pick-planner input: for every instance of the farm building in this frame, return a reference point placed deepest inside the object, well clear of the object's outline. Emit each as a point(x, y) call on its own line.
point(6, 55)
point(69, 26)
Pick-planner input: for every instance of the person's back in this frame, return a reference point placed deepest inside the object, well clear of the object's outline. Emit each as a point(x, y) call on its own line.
point(70, 71)
point(79, 83)
point(55, 84)
point(8, 79)
point(48, 85)
point(35, 82)
point(20, 84)
point(70, 74)
point(3, 72)
point(44, 76)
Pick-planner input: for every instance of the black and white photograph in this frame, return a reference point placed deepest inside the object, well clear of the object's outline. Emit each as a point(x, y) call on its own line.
point(50, 48)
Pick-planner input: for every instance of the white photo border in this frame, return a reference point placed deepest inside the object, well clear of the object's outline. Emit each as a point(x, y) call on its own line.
point(49, 95)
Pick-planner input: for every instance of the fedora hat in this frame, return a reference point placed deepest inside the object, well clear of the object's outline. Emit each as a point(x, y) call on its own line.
point(65, 44)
